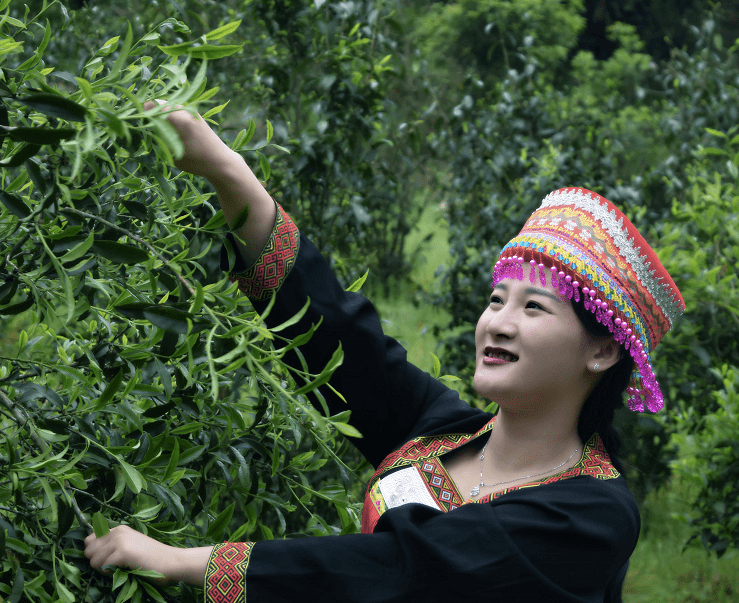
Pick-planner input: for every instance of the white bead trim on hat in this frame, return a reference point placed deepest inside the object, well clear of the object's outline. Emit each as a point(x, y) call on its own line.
point(661, 292)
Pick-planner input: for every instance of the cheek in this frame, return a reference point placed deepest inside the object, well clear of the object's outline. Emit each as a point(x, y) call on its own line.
point(482, 323)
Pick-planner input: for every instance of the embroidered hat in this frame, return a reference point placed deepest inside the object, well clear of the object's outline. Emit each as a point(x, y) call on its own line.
point(585, 248)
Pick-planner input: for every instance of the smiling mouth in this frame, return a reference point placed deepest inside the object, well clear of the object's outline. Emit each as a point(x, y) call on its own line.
point(500, 355)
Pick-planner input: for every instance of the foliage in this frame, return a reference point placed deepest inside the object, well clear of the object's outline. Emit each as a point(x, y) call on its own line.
point(703, 248)
point(709, 462)
point(492, 37)
point(327, 74)
point(139, 390)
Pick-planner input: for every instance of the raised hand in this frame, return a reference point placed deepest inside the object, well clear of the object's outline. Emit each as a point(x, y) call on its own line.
point(235, 184)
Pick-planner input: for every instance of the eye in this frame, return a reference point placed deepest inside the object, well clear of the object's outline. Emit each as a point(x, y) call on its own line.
point(534, 305)
point(495, 299)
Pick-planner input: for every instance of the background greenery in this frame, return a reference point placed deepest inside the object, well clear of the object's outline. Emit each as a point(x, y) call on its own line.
point(406, 137)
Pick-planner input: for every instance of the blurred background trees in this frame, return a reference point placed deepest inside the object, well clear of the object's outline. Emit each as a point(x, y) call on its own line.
point(380, 125)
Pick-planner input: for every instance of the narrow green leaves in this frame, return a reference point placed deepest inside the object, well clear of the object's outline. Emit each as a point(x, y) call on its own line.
point(220, 523)
point(54, 105)
point(120, 253)
point(222, 31)
point(110, 390)
point(205, 51)
point(169, 319)
point(15, 205)
point(39, 136)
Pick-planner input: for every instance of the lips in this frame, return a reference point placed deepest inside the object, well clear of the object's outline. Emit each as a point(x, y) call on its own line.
point(499, 354)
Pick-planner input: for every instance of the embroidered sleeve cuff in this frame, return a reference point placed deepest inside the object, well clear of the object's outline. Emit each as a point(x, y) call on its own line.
point(225, 576)
point(270, 270)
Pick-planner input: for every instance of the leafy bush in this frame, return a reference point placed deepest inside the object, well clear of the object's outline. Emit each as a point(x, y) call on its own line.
point(139, 389)
point(327, 75)
point(704, 250)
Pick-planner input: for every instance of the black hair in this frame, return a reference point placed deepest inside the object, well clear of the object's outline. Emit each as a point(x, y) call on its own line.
point(607, 396)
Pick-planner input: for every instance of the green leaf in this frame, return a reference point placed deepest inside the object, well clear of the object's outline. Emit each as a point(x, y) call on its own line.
point(54, 105)
point(132, 477)
point(40, 136)
point(222, 31)
point(716, 133)
point(168, 318)
point(15, 205)
point(292, 320)
point(208, 51)
point(217, 221)
point(264, 165)
point(215, 110)
point(120, 253)
point(189, 427)
point(100, 525)
point(45, 41)
point(123, 53)
point(241, 219)
point(169, 136)
point(17, 591)
point(174, 459)
point(133, 310)
point(79, 250)
point(14, 309)
point(347, 430)
point(175, 50)
point(437, 366)
point(245, 136)
point(25, 152)
point(713, 151)
point(119, 578)
point(336, 359)
point(220, 523)
point(357, 285)
point(110, 390)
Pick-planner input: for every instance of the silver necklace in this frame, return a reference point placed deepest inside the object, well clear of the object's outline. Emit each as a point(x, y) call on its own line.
point(476, 490)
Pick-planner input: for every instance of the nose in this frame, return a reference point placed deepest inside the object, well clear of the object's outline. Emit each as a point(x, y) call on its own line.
point(502, 323)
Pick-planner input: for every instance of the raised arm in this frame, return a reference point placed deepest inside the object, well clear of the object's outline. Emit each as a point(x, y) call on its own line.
point(235, 184)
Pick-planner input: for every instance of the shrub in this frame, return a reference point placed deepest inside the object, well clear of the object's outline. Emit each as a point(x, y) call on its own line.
point(137, 389)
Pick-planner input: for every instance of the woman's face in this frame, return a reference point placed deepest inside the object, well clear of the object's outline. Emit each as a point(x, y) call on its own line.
point(531, 349)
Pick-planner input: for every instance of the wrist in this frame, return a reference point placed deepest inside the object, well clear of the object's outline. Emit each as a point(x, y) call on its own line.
point(227, 170)
point(189, 565)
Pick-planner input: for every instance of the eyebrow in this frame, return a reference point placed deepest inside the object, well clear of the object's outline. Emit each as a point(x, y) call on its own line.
point(532, 290)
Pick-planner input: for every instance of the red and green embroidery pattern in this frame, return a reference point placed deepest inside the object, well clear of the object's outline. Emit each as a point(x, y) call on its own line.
point(225, 575)
point(424, 448)
point(441, 485)
point(268, 273)
point(594, 462)
point(424, 453)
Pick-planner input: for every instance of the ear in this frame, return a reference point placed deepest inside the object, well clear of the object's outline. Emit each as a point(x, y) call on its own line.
point(605, 353)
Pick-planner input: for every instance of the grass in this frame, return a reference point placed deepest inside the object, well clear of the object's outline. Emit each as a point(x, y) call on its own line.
point(406, 316)
point(663, 570)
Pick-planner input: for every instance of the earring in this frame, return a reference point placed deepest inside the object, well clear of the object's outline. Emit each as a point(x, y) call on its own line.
point(596, 366)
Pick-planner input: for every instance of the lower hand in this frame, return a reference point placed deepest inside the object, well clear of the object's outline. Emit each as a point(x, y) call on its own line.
point(125, 547)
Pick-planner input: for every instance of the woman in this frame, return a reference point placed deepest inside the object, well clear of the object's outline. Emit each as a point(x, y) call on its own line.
point(524, 506)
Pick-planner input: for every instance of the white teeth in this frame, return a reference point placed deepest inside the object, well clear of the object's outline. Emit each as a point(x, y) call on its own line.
point(502, 356)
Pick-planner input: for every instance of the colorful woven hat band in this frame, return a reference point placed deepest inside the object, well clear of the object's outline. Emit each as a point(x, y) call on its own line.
point(584, 247)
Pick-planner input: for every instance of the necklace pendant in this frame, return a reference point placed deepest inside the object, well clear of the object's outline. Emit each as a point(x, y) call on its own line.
point(475, 491)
